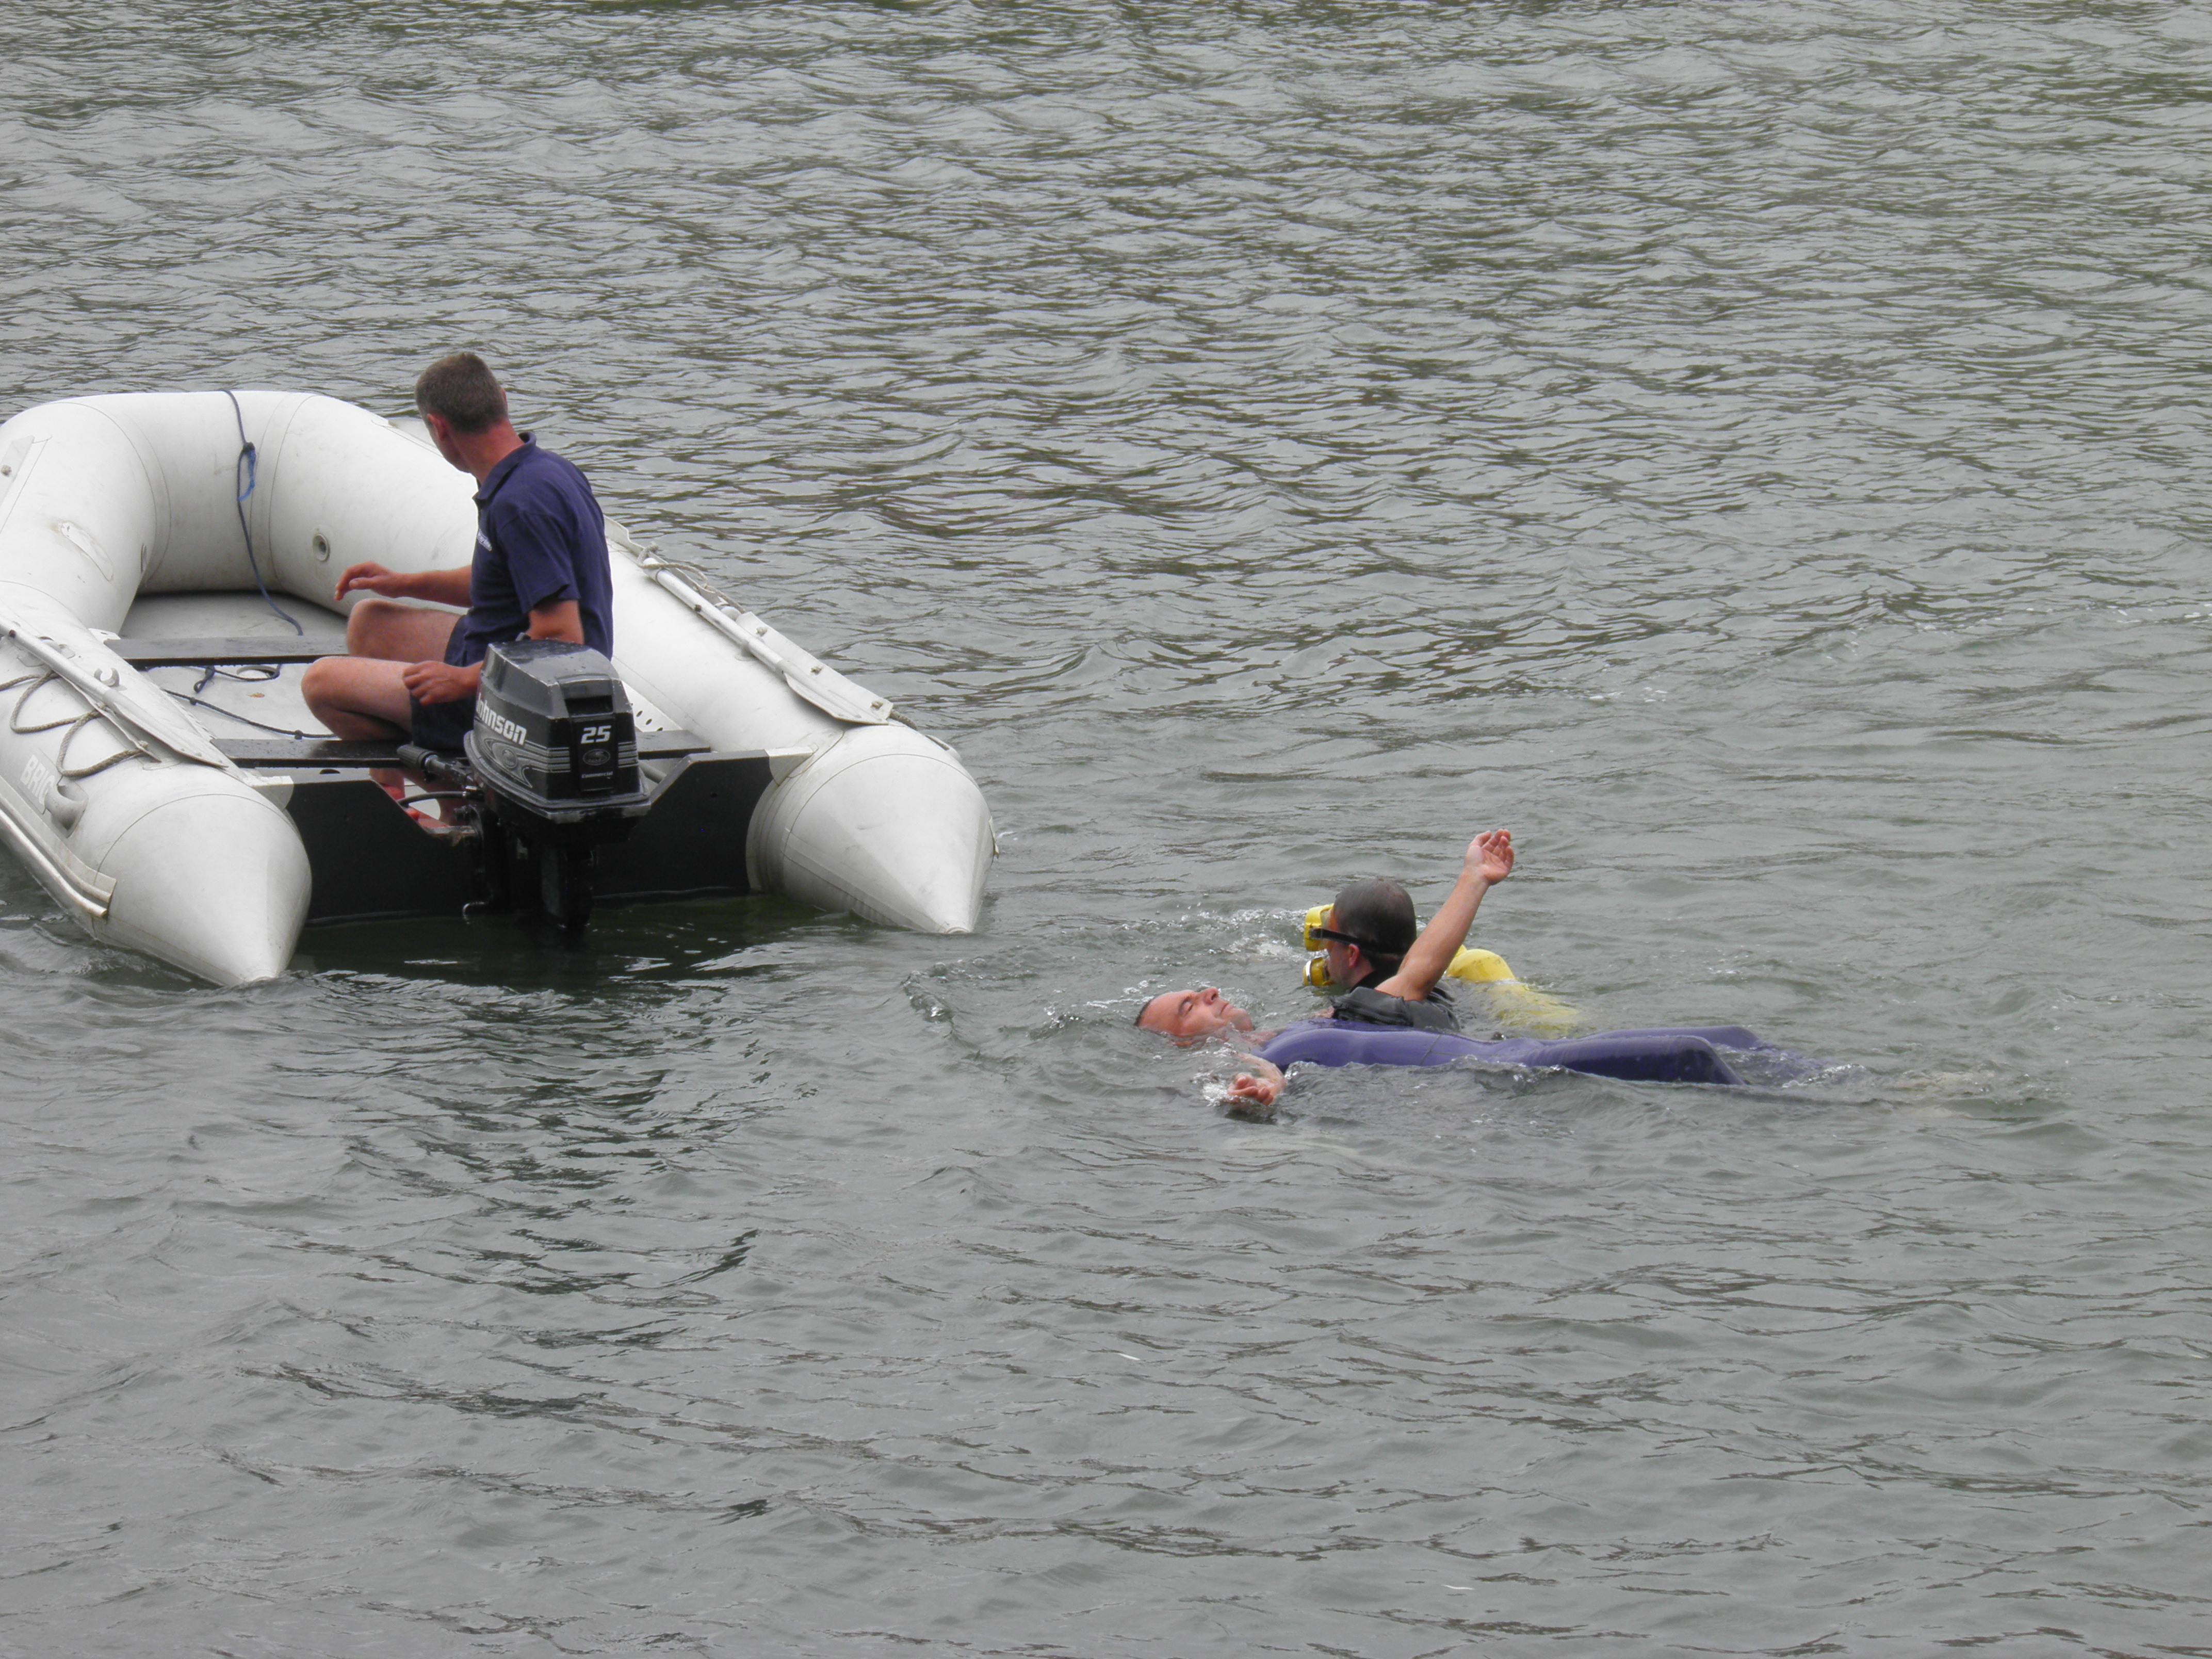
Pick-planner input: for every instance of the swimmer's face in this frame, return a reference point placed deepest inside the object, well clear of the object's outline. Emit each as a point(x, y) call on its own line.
point(1187, 1015)
point(1347, 963)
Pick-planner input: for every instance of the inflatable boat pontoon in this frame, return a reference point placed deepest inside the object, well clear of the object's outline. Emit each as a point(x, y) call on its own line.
point(161, 778)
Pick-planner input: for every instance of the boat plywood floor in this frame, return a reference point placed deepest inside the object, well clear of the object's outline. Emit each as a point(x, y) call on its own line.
point(232, 700)
point(237, 701)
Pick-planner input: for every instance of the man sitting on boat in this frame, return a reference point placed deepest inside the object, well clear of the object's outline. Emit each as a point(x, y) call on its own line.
point(540, 571)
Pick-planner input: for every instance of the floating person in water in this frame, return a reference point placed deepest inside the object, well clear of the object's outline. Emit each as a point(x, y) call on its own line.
point(1374, 946)
point(1393, 1014)
point(1371, 944)
point(541, 572)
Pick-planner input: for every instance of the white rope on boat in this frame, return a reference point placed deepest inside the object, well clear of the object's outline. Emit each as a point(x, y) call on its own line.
point(99, 690)
point(131, 748)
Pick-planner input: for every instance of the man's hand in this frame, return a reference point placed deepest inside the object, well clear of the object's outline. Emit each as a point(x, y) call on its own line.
point(1255, 1090)
point(1491, 856)
point(1254, 1093)
point(439, 587)
point(430, 683)
point(369, 578)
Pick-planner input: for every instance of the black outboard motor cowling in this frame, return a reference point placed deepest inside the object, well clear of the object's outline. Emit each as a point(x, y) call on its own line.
point(555, 744)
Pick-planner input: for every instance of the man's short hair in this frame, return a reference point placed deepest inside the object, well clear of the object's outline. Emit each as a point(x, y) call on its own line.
point(1379, 915)
point(462, 390)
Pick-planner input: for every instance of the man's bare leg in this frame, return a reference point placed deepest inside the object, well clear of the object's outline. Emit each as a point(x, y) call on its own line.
point(398, 633)
point(360, 697)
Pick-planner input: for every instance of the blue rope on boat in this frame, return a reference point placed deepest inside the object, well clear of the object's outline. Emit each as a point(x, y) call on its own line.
point(246, 470)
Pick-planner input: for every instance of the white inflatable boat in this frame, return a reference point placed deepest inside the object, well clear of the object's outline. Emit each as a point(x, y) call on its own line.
point(161, 778)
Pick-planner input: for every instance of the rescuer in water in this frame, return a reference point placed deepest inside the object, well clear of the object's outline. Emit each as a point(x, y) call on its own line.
point(1371, 946)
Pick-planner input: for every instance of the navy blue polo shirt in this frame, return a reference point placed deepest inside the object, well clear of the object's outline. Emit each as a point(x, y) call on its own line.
point(540, 539)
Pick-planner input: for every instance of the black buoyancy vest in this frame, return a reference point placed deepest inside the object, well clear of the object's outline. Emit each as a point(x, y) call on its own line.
point(1371, 1007)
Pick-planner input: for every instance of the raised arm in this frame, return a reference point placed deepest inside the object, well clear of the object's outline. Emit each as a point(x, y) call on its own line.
point(1489, 860)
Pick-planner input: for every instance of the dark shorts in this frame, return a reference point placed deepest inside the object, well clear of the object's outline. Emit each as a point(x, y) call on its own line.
point(442, 725)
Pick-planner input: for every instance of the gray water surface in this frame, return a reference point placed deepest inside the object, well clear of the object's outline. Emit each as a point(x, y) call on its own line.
point(1753, 450)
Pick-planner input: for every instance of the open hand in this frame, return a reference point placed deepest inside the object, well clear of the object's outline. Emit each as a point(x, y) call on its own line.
point(1491, 855)
point(369, 578)
point(1252, 1096)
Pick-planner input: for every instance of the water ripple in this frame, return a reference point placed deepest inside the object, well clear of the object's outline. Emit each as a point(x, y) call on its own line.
point(1745, 448)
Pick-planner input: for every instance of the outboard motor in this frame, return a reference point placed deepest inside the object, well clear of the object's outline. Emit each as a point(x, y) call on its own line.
point(554, 749)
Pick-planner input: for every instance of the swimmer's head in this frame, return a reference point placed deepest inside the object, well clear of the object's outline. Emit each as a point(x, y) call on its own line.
point(1187, 1016)
point(1377, 918)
